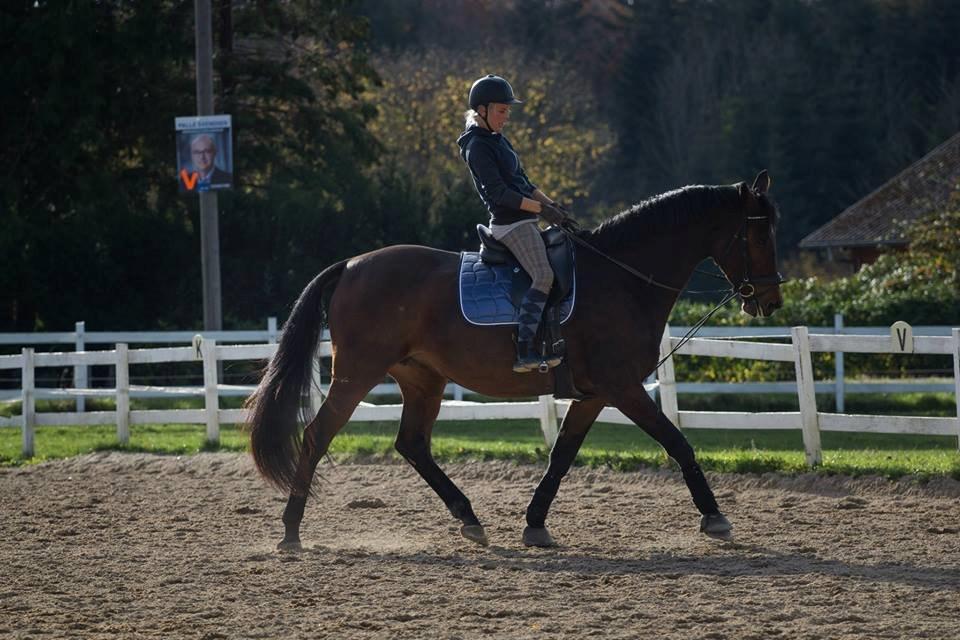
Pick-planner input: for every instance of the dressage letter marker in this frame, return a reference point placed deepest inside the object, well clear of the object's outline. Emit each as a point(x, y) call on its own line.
point(901, 337)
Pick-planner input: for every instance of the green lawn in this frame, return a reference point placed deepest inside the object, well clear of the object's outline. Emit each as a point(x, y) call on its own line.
point(616, 446)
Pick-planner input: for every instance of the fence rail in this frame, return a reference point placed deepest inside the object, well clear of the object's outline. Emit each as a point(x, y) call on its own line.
point(80, 338)
point(207, 352)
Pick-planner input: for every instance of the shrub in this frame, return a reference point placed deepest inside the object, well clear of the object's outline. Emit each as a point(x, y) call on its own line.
point(920, 286)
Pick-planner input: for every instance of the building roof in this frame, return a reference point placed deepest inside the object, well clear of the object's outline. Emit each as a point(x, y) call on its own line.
point(923, 187)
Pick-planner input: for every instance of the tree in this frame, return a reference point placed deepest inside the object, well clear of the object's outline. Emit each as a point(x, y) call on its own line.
point(93, 226)
point(712, 92)
point(422, 101)
point(294, 82)
point(89, 229)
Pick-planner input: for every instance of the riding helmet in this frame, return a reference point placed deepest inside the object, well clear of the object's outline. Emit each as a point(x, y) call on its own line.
point(489, 89)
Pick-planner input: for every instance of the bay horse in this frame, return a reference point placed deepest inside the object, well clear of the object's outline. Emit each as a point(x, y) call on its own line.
point(395, 311)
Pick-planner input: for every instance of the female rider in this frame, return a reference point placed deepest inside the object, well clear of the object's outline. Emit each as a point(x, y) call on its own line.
point(513, 202)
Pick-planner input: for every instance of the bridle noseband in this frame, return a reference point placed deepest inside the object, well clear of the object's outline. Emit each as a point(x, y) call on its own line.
point(747, 287)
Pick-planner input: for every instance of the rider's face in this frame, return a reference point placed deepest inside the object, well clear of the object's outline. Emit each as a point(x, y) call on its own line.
point(497, 116)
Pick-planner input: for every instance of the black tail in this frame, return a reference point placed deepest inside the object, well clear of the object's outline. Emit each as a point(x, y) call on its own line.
point(272, 418)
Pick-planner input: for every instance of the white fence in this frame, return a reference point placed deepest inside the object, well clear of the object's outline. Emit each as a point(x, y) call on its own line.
point(80, 338)
point(808, 419)
point(839, 387)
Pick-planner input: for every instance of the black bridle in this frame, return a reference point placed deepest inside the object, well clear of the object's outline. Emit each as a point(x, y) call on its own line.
point(746, 289)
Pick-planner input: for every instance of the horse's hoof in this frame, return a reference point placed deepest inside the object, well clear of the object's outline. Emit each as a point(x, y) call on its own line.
point(538, 537)
point(474, 533)
point(289, 545)
point(716, 526)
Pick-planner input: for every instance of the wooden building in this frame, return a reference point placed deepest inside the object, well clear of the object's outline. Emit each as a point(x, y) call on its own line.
point(875, 224)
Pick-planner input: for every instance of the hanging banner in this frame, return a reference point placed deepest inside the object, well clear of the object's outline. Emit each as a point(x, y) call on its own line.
point(204, 153)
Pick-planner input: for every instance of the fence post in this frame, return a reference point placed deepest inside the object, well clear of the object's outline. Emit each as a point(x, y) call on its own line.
point(668, 381)
point(272, 330)
point(651, 380)
point(838, 365)
point(208, 349)
point(28, 407)
point(548, 420)
point(806, 390)
point(80, 370)
point(956, 378)
point(123, 394)
point(316, 390)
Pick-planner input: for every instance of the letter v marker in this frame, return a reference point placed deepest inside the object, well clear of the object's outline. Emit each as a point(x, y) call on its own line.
point(189, 181)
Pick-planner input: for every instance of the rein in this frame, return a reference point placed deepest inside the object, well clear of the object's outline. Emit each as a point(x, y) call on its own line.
point(747, 289)
point(729, 294)
point(648, 278)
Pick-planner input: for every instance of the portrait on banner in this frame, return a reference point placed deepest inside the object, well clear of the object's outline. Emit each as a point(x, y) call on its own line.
point(204, 153)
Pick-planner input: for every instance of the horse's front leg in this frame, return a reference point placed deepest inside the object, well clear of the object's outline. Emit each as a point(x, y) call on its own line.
point(643, 411)
point(574, 429)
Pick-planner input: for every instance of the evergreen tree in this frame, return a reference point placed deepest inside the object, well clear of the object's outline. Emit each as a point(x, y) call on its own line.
point(92, 225)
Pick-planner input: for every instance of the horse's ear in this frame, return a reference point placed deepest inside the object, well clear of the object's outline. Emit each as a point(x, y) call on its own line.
point(762, 182)
point(743, 191)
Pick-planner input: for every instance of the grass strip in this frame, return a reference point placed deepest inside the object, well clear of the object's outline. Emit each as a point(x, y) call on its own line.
point(614, 446)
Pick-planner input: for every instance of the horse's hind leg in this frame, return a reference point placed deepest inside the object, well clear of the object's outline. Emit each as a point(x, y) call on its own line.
point(342, 398)
point(422, 390)
point(642, 410)
point(576, 424)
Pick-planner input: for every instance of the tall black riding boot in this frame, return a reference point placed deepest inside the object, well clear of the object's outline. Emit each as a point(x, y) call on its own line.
point(531, 311)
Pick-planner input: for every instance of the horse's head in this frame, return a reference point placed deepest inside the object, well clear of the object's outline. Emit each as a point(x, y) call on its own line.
point(749, 258)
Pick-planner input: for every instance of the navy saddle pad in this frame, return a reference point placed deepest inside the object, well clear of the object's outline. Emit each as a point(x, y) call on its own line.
point(485, 292)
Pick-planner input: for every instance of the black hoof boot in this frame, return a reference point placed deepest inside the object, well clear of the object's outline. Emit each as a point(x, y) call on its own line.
point(538, 537)
point(716, 526)
point(475, 533)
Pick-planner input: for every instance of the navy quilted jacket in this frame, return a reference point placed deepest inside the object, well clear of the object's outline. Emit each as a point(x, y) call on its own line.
point(497, 174)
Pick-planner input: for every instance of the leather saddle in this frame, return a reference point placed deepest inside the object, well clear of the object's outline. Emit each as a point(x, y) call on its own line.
point(559, 253)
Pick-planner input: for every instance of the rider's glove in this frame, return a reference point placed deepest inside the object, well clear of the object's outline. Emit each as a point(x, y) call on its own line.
point(570, 225)
point(560, 216)
point(552, 214)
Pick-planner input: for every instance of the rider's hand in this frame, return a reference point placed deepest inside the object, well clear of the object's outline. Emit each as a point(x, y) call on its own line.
point(567, 222)
point(552, 214)
point(570, 225)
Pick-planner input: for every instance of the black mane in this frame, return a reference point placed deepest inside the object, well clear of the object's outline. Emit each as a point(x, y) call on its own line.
point(667, 211)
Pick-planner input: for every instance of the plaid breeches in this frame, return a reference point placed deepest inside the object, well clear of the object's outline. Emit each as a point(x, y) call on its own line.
point(526, 245)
